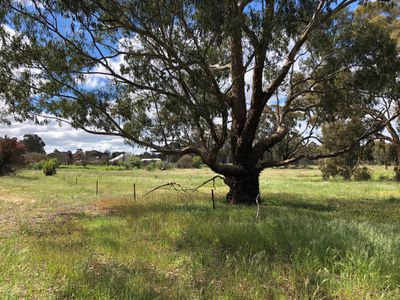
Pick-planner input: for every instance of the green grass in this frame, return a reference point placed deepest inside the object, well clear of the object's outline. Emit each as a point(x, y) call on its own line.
point(313, 240)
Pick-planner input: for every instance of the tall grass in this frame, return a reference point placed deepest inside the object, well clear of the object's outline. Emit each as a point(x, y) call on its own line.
point(312, 240)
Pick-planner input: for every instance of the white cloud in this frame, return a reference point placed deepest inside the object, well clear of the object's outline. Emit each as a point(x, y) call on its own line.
point(95, 82)
point(8, 29)
point(66, 138)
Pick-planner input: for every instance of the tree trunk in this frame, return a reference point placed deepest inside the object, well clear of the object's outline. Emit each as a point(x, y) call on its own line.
point(397, 165)
point(397, 173)
point(244, 189)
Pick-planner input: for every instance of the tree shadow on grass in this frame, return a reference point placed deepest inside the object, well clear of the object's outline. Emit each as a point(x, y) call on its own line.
point(309, 206)
point(393, 200)
point(297, 201)
point(380, 211)
point(138, 209)
point(287, 237)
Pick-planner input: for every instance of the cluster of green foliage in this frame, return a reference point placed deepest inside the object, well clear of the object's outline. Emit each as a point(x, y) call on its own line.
point(34, 143)
point(185, 162)
point(197, 162)
point(362, 174)
point(384, 153)
point(331, 168)
point(340, 134)
point(36, 165)
point(50, 166)
point(154, 165)
point(133, 162)
point(188, 162)
point(113, 168)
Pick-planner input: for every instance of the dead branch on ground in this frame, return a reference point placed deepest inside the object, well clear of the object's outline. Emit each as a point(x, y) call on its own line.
point(207, 181)
point(177, 187)
point(181, 189)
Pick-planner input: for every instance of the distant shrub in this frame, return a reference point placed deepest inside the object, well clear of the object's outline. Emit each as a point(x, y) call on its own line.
point(131, 162)
point(328, 168)
point(185, 162)
point(37, 165)
point(114, 168)
point(50, 166)
point(196, 162)
point(362, 174)
point(11, 155)
point(155, 165)
point(385, 178)
point(166, 165)
point(337, 167)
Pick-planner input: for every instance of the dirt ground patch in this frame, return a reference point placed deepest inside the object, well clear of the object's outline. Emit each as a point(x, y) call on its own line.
point(20, 211)
point(6, 196)
point(15, 199)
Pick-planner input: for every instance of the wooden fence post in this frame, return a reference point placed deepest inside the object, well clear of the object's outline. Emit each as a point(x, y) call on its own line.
point(212, 197)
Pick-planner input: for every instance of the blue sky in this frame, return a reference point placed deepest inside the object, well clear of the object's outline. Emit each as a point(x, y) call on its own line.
point(65, 137)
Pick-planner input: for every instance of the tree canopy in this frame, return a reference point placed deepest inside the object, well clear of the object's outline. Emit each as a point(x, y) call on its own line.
point(34, 143)
point(199, 76)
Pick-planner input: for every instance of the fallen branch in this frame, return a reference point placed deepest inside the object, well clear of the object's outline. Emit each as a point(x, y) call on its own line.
point(177, 187)
point(207, 181)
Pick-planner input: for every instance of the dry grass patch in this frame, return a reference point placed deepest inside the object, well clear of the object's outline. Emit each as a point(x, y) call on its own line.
point(7, 196)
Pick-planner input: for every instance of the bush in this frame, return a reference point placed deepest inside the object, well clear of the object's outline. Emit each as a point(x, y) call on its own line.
point(362, 174)
point(155, 165)
point(113, 168)
point(185, 162)
point(11, 155)
point(328, 168)
point(37, 165)
point(336, 167)
point(385, 178)
point(131, 162)
point(166, 165)
point(50, 167)
point(196, 162)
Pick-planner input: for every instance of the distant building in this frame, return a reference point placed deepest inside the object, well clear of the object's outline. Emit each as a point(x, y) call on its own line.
point(117, 159)
point(149, 160)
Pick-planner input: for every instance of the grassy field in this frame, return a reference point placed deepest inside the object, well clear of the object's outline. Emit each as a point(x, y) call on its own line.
point(313, 239)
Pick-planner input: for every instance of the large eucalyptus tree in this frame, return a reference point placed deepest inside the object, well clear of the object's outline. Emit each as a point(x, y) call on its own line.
point(195, 76)
point(386, 105)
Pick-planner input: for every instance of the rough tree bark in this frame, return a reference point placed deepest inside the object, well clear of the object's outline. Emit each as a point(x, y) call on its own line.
point(397, 166)
point(243, 189)
point(395, 140)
